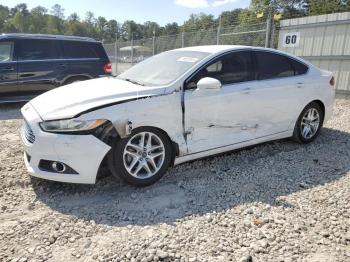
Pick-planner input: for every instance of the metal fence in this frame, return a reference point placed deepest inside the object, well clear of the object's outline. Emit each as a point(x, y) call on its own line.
point(123, 54)
point(324, 40)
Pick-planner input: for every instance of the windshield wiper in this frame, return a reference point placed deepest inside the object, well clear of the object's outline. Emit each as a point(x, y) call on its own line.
point(133, 81)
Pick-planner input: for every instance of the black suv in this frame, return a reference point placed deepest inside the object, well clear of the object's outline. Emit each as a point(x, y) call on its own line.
point(32, 64)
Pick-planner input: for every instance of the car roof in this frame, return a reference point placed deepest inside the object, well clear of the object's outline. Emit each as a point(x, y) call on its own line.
point(217, 49)
point(46, 36)
point(213, 48)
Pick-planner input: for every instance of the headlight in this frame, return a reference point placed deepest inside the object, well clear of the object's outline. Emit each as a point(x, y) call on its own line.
point(71, 125)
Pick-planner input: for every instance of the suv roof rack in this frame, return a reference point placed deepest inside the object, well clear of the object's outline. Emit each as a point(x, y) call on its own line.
point(48, 36)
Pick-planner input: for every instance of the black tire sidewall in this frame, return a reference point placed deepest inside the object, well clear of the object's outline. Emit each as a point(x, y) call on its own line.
point(297, 130)
point(117, 163)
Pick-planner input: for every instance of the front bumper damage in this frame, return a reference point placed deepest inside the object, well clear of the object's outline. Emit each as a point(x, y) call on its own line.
point(82, 153)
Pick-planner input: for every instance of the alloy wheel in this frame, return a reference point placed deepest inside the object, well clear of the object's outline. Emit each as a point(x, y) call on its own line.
point(143, 155)
point(310, 123)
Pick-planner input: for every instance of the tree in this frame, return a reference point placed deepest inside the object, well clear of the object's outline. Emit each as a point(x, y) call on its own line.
point(288, 8)
point(129, 30)
point(73, 17)
point(55, 22)
point(229, 18)
point(38, 20)
point(4, 16)
point(73, 26)
point(22, 8)
point(172, 29)
point(57, 11)
point(149, 27)
point(19, 22)
point(327, 6)
point(111, 31)
point(90, 18)
point(199, 22)
point(101, 24)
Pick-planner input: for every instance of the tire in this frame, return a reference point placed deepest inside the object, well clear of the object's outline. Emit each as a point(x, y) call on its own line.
point(133, 163)
point(75, 79)
point(306, 130)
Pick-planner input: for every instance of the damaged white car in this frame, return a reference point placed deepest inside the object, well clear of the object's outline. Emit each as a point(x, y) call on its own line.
point(174, 107)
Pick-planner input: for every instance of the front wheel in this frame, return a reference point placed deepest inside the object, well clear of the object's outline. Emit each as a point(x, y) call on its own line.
point(142, 158)
point(309, 123)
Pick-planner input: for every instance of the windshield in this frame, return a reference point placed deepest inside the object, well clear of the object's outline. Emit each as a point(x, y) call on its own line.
point(162, 69)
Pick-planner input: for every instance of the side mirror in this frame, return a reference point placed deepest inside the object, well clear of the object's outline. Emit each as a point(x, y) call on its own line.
point(208, 83)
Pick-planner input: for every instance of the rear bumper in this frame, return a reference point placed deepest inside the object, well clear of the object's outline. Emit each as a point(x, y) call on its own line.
point(329, 105)
point(83, 153)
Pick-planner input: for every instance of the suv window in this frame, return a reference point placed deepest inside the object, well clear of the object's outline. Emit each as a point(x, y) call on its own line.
point(76, 49)
point(37, 49)
point(6, 51)
point(228, 69)
point(270, 65)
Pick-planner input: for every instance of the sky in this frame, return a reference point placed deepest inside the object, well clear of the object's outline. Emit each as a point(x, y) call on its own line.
point(160, 11)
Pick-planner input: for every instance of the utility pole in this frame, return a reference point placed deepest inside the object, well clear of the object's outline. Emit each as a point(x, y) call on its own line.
point(183, 38)
point(132, 48)
point(270, 11)
point(116, 51)
point(218, 32)
point(154, 40)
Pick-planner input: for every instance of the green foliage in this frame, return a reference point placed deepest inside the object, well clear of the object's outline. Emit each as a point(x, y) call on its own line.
point(317, 7)
point(201, 26)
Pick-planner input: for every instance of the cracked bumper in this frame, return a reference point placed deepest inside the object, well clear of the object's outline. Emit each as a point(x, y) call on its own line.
point(83, 153)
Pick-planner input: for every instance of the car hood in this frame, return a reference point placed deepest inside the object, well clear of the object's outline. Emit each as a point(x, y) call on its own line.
point(73, 99)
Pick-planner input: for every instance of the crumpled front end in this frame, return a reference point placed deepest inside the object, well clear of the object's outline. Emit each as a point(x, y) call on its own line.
point(60, 157)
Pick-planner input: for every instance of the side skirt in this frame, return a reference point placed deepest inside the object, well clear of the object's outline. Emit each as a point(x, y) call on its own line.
point(215, 151)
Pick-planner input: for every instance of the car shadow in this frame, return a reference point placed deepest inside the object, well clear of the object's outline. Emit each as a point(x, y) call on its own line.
point(11, 111)
point(264, 173)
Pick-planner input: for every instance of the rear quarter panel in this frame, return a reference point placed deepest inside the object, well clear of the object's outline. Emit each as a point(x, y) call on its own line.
point(316, 87)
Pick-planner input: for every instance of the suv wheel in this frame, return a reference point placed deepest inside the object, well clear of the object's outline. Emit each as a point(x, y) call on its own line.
point(74, 80)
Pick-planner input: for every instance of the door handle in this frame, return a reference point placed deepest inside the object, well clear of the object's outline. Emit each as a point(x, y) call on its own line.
point(62, 65)
point(300, 85)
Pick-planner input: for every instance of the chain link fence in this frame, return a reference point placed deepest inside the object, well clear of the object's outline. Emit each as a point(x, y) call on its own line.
point(124, 54)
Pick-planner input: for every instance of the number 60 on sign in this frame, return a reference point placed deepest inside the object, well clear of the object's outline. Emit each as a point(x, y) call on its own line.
point(291, 39)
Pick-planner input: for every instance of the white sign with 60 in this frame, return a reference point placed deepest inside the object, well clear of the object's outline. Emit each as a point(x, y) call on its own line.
point(291, 39)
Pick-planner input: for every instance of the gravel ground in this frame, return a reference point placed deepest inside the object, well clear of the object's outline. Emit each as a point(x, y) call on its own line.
point(279, 201)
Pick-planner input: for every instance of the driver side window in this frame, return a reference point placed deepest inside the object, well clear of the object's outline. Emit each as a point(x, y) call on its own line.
point(228, 69)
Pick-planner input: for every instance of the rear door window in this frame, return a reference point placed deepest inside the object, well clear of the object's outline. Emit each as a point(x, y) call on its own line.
point(78, 50)
point(272, 66)
point(6, 51)
point(37, 49)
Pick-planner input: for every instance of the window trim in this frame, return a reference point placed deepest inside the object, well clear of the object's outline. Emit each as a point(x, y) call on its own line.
point(287, 57)
point(12, 53)
point(252, 74)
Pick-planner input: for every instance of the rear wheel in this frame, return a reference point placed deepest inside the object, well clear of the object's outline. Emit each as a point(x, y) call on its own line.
point(143, 158)
point(75, 79)
point(309, 123)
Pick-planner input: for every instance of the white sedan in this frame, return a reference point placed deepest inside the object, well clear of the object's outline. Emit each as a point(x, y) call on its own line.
point(171, 108)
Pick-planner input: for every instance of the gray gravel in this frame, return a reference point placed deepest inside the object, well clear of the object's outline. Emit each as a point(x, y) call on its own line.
point(278, 201)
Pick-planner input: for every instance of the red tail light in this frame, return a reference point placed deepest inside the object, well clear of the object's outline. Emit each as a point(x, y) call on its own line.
point(107, 68)
point(332, 81)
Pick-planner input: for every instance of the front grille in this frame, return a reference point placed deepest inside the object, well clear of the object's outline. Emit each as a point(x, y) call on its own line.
point(28, 133)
